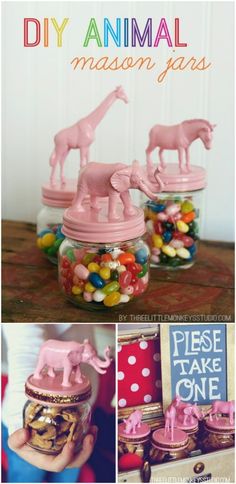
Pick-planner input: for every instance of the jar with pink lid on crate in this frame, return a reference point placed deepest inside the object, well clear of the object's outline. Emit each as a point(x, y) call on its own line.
point(56, 198)
point(173, 220)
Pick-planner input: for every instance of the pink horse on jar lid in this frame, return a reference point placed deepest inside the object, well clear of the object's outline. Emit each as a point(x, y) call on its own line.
point(178, 137)
point(219, 407)
point(81, 135)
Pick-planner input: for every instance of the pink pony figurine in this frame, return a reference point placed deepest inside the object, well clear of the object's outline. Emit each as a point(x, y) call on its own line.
point(178, 137)
point(81, 135)
point(68, 355)
point(170, 420)
point(112, 180)
point(219, 407)
point(133, 421)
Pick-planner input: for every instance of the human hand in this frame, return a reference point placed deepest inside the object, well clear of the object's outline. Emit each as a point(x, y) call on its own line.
point(66, 459)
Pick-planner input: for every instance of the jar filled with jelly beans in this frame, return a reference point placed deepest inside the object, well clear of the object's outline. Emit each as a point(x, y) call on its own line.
point(173, 220)
point(103, 264)
point(163, 449)
point(55, 198)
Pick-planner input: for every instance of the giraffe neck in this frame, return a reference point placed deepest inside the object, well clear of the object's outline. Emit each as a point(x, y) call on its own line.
point(96, 116)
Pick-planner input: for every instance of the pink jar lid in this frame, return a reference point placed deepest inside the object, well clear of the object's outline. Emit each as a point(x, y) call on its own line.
point(162, 441)
point(220, 424)
point(183, 182)
point(188, 427)
point(93, 225)
point(141, 432)
point(50, 391)
point(58, 195)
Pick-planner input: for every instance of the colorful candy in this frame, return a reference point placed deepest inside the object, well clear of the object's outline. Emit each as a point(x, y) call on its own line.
point(49, 241)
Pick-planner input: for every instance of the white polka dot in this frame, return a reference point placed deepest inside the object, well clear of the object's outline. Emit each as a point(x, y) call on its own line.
point(119, 348)
point(143, 345)
point(156, 357)
point(147, 398)
point(145, 372)
point(134, 387)
point(158, 383)
point(122, 402)
point(121, 375)
point(132, 360)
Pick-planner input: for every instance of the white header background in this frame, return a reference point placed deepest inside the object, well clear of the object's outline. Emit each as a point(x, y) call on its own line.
point(43, 94)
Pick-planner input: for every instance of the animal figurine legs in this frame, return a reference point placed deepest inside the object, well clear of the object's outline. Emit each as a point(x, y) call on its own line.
point(128, 207)
point(162, 164)
point(78, 377)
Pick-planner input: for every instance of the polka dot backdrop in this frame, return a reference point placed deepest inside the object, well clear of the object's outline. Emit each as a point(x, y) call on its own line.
point(139, 373)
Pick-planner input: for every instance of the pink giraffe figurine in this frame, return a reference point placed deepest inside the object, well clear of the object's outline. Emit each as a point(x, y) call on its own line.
point(219, 407)
point(170, 420)
point(133, 421)
point(81, 134)
point(68, 355)
point(178, 137)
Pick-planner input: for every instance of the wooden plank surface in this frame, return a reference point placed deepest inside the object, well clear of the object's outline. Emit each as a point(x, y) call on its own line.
point(31, 292)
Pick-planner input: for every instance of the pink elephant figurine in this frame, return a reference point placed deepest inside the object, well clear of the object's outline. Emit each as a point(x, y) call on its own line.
point(133, 421)
point(187, 411)
point(81, 135)
point(178, 137)
point(68, 355)
point(220, 407)
point(112, 180)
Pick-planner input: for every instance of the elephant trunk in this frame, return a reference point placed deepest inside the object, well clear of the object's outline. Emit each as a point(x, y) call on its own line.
point(103, 364)
point(144, 188)
point(94, 364)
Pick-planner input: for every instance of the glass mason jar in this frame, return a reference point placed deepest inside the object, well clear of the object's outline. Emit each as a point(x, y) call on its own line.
point(103, 264)
point(138, 443)
point(173, 220)
point(192, 432)
point(53, 417)
point(55, 198)
point(218, 434)
point(165, 450)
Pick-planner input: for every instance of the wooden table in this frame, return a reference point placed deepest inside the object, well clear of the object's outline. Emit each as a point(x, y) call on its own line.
point(31, 293)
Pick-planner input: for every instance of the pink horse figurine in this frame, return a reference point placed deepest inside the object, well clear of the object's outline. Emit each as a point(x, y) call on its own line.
point(133, 421)
point(219, 407)
point(170, 418)
point(178, 137)
point(81, 135)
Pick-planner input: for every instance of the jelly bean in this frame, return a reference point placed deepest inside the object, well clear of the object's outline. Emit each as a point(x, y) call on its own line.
point(188, 217)
point(155, 259)
point(183, 253)
point(39, 243)
point(124, 298)
point(156, 251)
point(112, 299)
point(111, 264)
point(88, 297)
point(106, 257)
point(134, 268)
point(65, 262)
point(89, 287)
point(97, 259)
point(143, 271)
point(177, 243)
point(59, 233)
point(192, 249)
point(186, 206)
point(141, 256)
point(125, 279)
point(98, 296)
point(168, 250)
point(57, 243)
point(158, 229)
point(172, 209)
point(145, 278)
point(157, 241)
point(168, 225)
point(105, 273)
point(126, 258)
point(115, 274)
point(194, 226)
point(175, 262)
point(48, 239)
point(187, 241)
point(164, 258)
point(111, 287)
point(156, 207)
point(93, 267)
point(44, 232)
point(76, 290)
point(167, 236)
point(149, 226)
point(182, 226)
point(70, 254)
point(52, 251)
point(81, 271)
point(128, 290)
point(193, 235)
point(121, 269)
point(88, 258)
point(96, 280)
point(116, 252)
point(139, 288)
point(162, 217)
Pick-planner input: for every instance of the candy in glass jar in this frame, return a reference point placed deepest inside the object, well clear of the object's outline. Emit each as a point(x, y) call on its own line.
point(134, 436)
point(165, 449)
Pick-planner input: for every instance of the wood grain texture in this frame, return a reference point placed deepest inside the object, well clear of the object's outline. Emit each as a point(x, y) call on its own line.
point(31, 292)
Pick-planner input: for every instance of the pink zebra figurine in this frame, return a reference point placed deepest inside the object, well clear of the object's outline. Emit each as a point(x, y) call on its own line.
point(133, 421)
point(219, 407)
point(178, 137)
point(170, 420)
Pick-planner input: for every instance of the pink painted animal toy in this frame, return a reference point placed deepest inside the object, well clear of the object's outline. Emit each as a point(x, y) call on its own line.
point(218, 408)
point(68, 355)
point(133, 422)
point(81, 135)
point(187, 411)
point(170, 420)
point(111, 180)
point(178, 137)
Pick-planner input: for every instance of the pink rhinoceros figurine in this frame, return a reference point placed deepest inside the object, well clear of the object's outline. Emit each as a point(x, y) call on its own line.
point(133, 421)
point(68, 355)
